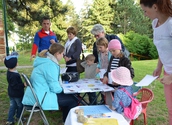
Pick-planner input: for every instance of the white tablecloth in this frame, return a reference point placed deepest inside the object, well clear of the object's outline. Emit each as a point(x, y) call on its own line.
point(86, 85)
point(72, 118)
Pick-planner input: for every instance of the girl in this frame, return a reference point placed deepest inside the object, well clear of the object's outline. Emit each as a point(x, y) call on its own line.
point(160, 11)
point(46, 81)
point(117, 59)
point(122, 77)
point(103, 58)
point(103, 54)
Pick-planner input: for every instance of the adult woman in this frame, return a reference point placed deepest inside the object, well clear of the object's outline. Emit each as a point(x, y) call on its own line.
point(160, 11)
point(73, 49)
point(46, 81)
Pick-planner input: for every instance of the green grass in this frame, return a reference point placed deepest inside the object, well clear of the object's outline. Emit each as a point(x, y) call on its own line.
point(156, 111)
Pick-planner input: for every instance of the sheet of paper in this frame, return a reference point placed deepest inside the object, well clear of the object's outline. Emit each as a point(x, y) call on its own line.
point(95, 109)
point(63, 70)
point(101, 73)
point(102, 121)
point(109, 78)
point(147, 80)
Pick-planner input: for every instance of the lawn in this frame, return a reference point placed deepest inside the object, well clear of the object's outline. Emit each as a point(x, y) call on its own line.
point(156, 111)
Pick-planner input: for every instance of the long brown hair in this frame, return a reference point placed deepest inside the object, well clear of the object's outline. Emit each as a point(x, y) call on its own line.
point(55, 47)
point(165, 6)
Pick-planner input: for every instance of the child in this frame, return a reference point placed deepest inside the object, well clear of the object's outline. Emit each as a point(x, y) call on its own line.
point(103, 58)
point(90, 73)
point(117, 59)
point(103, 54)
point(160, 11)
point(122, 77)
point(15, 88)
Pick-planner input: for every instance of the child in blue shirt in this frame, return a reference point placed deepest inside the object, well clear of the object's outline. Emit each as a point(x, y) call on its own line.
point(121, 76)
point(15, 88)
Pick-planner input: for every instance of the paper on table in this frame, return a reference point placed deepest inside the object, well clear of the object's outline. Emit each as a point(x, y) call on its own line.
point(102, 72)
point(95, 109)
point(102, 121)
point(148, 79)
point(62, 70)
point(109, 78)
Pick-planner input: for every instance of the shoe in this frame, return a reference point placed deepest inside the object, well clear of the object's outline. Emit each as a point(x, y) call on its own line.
point(23, 119)
point(9, 123)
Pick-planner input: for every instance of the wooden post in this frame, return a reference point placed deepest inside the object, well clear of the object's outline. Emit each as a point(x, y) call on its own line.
point(2, 40)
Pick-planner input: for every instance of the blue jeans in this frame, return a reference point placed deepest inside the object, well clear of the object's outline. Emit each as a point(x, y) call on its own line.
point(15, 109)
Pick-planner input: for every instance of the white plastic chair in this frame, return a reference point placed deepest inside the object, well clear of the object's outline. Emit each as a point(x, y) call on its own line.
point(32, 108)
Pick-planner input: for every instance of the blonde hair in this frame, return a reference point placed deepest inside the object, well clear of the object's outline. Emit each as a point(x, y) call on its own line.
point(90, 57)
point(102, 42)
point(54, 48)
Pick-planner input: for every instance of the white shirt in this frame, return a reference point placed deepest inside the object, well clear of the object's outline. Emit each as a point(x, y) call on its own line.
point(163, 42)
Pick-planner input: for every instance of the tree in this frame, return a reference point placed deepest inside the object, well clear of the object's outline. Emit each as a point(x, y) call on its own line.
point(28, 14)
point(98, 13)
point(128, 16)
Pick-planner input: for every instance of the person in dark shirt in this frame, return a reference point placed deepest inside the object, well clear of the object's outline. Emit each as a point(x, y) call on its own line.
point(15, 88)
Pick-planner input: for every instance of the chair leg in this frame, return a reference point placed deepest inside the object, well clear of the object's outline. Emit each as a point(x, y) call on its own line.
point(145, 119)
point(20, 119)
point(43, 117)
point(132, 122)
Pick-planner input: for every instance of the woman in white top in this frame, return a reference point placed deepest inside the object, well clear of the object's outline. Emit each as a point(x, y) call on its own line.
point(160, 11)
point(72, 51)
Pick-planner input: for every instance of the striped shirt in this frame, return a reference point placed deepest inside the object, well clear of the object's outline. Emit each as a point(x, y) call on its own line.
point(114, 64)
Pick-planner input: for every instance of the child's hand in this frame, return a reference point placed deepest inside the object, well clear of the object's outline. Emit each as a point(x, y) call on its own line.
point(25, 84)
point(97, 70)
point(105, 80)
point(112, 108)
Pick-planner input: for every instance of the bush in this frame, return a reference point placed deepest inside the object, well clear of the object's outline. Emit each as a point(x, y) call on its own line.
point(139, 44)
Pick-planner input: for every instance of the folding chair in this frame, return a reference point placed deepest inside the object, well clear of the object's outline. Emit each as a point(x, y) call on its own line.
point(32, 108)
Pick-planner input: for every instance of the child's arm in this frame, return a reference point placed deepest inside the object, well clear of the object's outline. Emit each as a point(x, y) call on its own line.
point(105, 80)
point(83, 64)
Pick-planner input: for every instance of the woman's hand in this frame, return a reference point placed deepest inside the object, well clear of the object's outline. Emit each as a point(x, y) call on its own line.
point(167, 79)
point(157, 72)
point(67, 58)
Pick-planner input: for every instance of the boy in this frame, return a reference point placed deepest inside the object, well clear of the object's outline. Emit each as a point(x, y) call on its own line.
point(15, 88)
point(90, 73)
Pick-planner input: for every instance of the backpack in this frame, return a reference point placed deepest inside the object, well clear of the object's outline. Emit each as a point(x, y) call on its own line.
point(135, 108)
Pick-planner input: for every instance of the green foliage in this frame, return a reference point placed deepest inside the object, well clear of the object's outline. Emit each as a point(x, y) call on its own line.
point(129, 16)
point(28, 15)
point(139, 44)
point(99, 12)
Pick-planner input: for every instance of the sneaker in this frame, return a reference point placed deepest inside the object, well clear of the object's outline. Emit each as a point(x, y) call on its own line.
point(9, 123)
point(23, 119)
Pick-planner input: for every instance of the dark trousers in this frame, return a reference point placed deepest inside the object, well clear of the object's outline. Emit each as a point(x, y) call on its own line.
point(92, 96)
point(71, 69)
point(66, 102)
